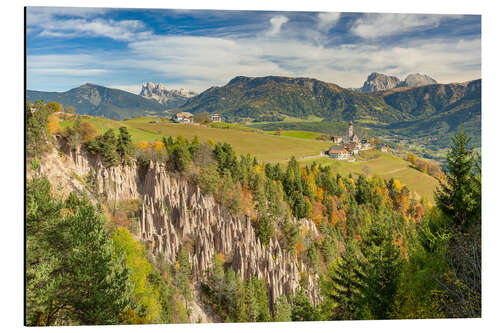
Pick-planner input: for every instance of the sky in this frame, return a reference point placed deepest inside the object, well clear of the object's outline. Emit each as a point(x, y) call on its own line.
point(198, 49)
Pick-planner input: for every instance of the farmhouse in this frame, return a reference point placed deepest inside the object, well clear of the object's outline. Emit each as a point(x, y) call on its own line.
point(364, 145)
point(338, 152)
point(352, 148)
point(384, 148)
point(215, 118)
point(183, 117)
point(337, 139)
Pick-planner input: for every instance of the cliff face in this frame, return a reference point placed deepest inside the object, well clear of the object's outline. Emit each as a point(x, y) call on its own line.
point(175, 212)
point(377, 82)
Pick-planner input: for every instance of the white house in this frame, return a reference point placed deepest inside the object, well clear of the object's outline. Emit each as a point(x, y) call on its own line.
point(337, 139)
point(183, 117)
point(384, 148)
point(338, 152)
point(215, 118)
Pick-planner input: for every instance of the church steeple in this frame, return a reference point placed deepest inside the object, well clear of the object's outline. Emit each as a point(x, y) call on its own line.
point(351, 130)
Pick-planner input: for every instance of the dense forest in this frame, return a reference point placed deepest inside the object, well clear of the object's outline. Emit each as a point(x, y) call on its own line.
point(380, 253)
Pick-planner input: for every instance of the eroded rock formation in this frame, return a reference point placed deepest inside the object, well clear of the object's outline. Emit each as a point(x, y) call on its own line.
point(175, 212)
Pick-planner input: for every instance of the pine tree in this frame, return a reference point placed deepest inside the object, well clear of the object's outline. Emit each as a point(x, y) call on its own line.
point(124, 145)
point(456, 193)
point(381, 272)
point(182, 277)
point(347, 285)
point(302, 309)
point(283, 310)
point(71, 273)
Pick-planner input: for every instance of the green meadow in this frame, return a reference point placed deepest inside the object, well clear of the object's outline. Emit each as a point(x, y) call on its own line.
point(269, 147)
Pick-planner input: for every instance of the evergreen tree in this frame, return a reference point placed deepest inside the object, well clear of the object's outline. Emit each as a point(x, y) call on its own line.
point(216, 278)
point(381, 272)
point(71, 274)
point(302, 309)
point(37, 133)
point(347, 286)
point(181, 158)
point(456, 193)
point(283, 310)
point(182, 277)
point(124, 145)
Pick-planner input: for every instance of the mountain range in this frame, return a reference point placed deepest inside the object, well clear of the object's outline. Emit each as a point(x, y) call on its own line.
point(170, 98)
point(97, 100)
point(378, 82)
point(413, 107)
point(278, 97)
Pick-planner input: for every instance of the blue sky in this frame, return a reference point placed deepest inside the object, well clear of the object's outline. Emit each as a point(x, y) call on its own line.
point(67, 47)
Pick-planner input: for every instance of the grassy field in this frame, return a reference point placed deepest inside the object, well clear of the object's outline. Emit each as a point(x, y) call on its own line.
point(272, 148)
point(266, 147)
point(301, 134)
point(386, 166)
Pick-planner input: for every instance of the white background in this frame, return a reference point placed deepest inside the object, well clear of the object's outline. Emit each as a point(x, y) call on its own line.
point(11, 162)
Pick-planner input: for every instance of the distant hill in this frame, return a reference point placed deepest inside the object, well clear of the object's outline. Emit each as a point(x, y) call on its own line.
point(433, 109)
point(271, 98)
point(438, 109)
point(170, 98)
point(378, 82)
point(97, 100)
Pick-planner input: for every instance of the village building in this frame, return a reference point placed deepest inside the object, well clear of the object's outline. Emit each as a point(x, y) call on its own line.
point(348, 145)
point(352, 148)
point(384, 148)
point(351, 136)
point(215, 118)
point(183, 117)
point(337, 139)
point(365, 145)
point(338, 152)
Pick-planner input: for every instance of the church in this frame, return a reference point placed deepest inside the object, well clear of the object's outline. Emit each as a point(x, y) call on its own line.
point(350, 144)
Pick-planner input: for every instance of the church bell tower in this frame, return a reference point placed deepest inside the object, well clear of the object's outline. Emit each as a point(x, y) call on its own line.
point(351, 130)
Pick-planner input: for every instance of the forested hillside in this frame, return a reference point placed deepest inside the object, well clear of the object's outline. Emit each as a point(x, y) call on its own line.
point(97, 100)
point(365, 246)
point(435, 111)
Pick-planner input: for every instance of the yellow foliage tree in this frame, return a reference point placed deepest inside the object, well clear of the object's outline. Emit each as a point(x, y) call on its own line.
point(87, 131)
point(143, 146)
point(54, 106)
point(158, 146)
point(53, 124)
point(257, 169)
point(144, 295)
point(396, 185)
point(411, 158)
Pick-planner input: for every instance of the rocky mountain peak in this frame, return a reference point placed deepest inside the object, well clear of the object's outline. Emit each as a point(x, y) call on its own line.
point(160, 93)
point(416, 80)
point(378, 81)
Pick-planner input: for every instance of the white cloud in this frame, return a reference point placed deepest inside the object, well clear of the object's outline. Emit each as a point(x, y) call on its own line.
point(199, 62)
point(276, 23)
point(380, 25)
point(206, 61)
point(74, 22)
point(41, 15)
point(327, 20)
